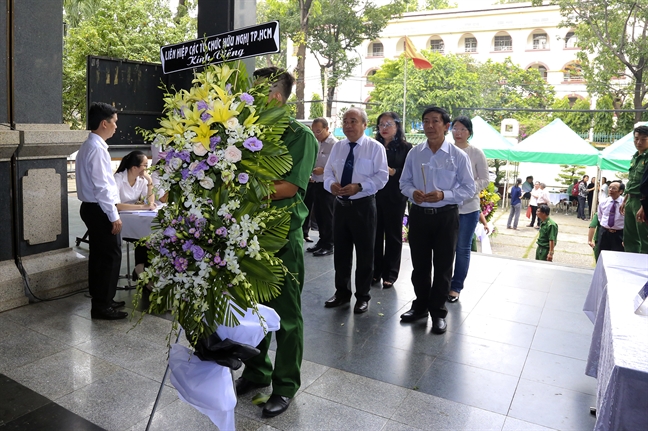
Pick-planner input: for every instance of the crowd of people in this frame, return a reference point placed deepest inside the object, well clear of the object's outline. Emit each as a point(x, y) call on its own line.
point(357, 189)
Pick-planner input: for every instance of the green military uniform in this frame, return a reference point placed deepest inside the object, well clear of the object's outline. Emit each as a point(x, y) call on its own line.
point(548, 232)
point(635, 234)
point(595, 224)
point(285, 378)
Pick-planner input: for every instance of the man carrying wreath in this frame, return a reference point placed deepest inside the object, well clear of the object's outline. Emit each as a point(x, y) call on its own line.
point(289, 194)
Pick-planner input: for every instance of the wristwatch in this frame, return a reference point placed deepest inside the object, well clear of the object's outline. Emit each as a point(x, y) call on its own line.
point(359, 187)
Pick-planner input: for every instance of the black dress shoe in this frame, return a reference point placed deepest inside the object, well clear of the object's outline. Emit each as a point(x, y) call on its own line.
point(308, 239)
point(275, 406)
point(108, 314)
point(313, 248)
point(453, 298)
point(361, 307)
point(323, 252)
point(243, 386)
point(439, 325)
point(336, 301)
point(118, 304)
point(413, 315)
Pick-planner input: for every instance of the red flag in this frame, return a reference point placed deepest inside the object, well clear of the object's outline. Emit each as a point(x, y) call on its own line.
point(420, 62)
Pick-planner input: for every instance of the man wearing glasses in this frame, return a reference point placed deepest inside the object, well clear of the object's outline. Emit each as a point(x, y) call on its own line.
point(635, 232)
point(318, 200)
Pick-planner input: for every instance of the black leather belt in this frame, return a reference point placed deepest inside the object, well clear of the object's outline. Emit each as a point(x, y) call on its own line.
point(350, 202)
point(433, 211)
point(611, 230)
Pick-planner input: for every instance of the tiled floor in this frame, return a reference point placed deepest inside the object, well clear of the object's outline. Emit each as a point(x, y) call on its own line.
point(512, 359)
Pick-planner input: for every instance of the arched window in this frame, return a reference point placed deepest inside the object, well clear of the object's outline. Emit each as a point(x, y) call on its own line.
point(573, 72)
point(370, 73)
point(470, 44)
point(571, 40)
point(542, 70)
point(376, 50)
point(503, 42)
point(437, 45)
point(540, 41)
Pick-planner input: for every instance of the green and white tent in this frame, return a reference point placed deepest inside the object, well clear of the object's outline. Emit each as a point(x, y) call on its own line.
point(487, 139)
point(617, 156)
point(557, 144)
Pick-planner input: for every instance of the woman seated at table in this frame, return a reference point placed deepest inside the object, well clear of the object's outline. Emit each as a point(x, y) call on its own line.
point(135, 193)
point(134, 183)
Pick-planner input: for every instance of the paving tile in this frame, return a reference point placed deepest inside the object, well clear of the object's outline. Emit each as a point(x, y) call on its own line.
point(512, 424)
point(62, 373)
point(516, 295)
point(552, 407)
point(118, 401)
point(567, 321)
point(558, 371)
point(505, 310)
point(486, 354)
point(387, 364)
point(308, 412)
point(562, 343)
point(503, 331)
point(427, 412)
point(572, 301)
point(397, 426)
point(359, 392)
point(51, 417)
point(17, 400)
point(26, 347)
point(8, 327)
point(469, 385)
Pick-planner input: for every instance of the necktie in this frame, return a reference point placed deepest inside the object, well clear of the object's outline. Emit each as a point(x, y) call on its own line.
point(347, 171)
point(611, 215)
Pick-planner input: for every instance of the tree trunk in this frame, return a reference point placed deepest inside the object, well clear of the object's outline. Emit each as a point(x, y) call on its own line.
point(300, 71)
point(638, 96)
point(330, 94)
point(323, 81)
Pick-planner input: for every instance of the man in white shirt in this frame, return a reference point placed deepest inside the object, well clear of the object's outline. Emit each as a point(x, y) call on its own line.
point(97, 190)
point(436, 178)
point(356, 170)
point(318, 200)
point(611, 220)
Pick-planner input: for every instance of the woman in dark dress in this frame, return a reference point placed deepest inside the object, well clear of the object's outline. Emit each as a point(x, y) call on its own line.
point(390, 202)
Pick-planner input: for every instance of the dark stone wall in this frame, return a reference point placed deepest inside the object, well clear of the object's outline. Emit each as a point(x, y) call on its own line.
point(4, 102)
point(38, 61)
point(6, 239)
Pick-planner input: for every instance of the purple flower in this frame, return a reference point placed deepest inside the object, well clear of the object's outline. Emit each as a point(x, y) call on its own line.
point(205, 116)
point(223, 263)
point(202, 105)
point(187, 245)
point(198, 252)
point(247, 98)
point(170, 232)
point(222, 231)
point(253, 144)
point(180, 264)
point(213, 141)
point(197, 234)
point(243, 178)
point(202, 221)
point(184, 156)
point(184, 173)
point(217, 259)
point(228, 88)
point(212, 159)
point(164, 251)
point(242, 243)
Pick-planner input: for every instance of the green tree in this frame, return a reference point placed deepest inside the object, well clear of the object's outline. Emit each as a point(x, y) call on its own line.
point(579, 122)
point(132, 29)
point(452, 83)
point(569, 173)
point(613, 36)
point(438, 4)
point(531, 124)
point(604, 121)
point(316, 108)
point(507, 85)
point(335, 33)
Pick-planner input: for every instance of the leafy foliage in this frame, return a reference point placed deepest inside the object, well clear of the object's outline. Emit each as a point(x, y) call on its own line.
point(316, 108)
point(569, 173)
point(579, 122)
point(131, 29)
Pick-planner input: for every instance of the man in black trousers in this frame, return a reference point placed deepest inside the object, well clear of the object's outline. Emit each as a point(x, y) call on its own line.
point(356, 170)
point(318, 200)
point(98, 192)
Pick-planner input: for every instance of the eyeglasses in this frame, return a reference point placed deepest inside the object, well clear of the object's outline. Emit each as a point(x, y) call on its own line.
point(385, 125)
point(459, 130)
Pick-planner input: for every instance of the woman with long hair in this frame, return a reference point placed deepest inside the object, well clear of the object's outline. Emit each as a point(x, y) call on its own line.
point(390, 202)
point(469, 210)
point(135, 193)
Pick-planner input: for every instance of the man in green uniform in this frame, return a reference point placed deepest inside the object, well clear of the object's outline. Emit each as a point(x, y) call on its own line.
point(548, 235)
point(635, 233)
point(290, 191)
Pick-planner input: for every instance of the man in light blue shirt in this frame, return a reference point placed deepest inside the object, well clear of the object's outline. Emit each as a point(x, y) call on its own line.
point(436, 178)
point(355, 171)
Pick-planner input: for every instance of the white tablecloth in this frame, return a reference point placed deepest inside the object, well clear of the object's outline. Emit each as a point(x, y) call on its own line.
point(136, 224)
point(618, 356)
point(555, 198)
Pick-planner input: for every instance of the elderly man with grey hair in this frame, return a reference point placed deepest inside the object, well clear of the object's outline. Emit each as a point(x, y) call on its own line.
point(355, 171)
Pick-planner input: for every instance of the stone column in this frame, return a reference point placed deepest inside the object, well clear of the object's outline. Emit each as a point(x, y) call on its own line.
point(34, 145)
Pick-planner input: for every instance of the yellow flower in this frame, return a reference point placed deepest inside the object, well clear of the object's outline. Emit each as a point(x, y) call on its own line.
point(250, 120)
point(171, 126)
point(221, 112)
point(203, 133)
